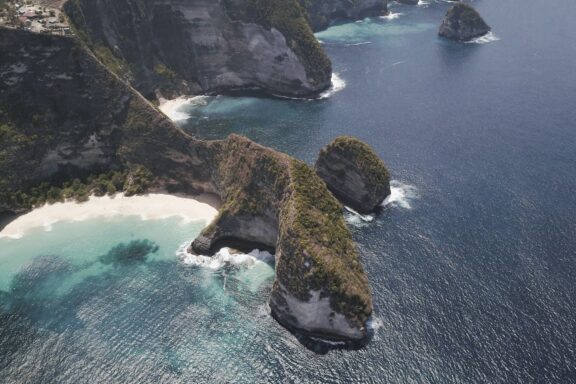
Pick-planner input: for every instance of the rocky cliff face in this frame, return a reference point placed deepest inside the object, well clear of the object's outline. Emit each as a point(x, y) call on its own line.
point(64, 114)
point(354, 173)
point(173, 47)
point(205, 46)
point(463, 23)
point(322, 12)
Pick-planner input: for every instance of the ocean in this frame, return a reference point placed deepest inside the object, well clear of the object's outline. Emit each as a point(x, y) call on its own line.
point(472, 262)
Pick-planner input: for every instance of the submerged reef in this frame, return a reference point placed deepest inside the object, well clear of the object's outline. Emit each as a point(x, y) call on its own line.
point(65, 116)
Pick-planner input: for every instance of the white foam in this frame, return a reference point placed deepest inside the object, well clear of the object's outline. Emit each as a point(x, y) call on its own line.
point(374, 323)
point(356, 44)
point(391, 16)
point(223, 257)
point(487, 38)
point(338, 84)
point(178, 109)
point(356, 219)
point(401, 195)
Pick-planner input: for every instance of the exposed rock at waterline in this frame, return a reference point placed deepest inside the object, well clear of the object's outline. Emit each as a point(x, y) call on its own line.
point(354, 173)
point(463, 23)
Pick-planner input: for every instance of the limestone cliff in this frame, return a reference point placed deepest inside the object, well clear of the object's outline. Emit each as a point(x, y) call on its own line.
point(64, 115)
point(322, 12)
point(205, 46)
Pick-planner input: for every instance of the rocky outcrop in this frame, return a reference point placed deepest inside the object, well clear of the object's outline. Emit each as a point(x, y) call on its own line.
point(354, 173)
point(322, 12)
point(463, 23)
point(205, 46)
point(64, 114)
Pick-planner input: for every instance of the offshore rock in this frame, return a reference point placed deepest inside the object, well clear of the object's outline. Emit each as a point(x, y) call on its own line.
point(354, 173)
point(463, 23)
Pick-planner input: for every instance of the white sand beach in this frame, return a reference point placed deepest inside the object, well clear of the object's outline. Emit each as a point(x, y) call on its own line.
point(148, 207)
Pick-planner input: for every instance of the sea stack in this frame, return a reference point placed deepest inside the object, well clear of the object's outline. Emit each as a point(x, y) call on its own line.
point(354, 173)
point(463, 23)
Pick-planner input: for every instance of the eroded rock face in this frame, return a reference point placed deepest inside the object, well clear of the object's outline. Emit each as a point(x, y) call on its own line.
point(203, 46)
point(322, 12)
point(267, 197)
point(354, 174)
point(463, 23)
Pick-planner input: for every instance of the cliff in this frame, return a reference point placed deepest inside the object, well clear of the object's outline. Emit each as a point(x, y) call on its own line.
point(322, 12)
point(463, 23)
point(173, 47)
point(65, 116)
point(205, 46)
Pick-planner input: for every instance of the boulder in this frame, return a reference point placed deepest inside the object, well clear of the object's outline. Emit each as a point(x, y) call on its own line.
point(463, 23)
point(354, 173)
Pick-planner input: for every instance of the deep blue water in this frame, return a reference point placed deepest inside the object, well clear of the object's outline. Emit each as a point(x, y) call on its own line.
point(474, 282)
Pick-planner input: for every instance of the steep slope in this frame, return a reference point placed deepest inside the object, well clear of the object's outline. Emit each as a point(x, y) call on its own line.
point(180, 46)
point(64, 115)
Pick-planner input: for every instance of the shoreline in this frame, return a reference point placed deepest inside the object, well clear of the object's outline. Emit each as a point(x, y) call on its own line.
point(154, 206)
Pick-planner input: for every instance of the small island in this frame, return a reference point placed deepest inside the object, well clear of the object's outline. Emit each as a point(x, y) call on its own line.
point(463, 23)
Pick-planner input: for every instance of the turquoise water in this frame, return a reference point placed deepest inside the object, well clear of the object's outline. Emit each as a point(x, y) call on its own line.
point(473, 265)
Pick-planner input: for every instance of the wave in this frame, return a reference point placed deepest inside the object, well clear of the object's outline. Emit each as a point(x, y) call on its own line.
point(177, 109)
point(487, 38)
point(356, 44)
point(338, 84)
point(391, 16)
point(357, 219)
point(223, 257)
point(401, 195)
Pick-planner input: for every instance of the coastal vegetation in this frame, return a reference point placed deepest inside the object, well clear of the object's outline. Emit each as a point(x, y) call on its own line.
point(135, 180)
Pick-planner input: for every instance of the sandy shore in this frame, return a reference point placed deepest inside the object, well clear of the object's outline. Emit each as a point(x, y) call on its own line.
point(148, 207)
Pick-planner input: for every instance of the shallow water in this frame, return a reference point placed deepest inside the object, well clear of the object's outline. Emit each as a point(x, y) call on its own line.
point(473, 269)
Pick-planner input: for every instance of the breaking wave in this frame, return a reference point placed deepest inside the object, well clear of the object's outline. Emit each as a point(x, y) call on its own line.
point(178, 109)
point(391, 16)
point(487, 38)
point(223, 257)
point(401, 195)
point(338, 84)
point(356, 219)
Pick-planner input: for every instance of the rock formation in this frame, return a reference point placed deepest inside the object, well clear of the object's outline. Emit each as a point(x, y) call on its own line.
point(354, 174)
point(65, 115)
point(463, 23)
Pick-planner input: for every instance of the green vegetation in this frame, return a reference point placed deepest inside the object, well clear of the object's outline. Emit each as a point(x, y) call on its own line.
point(135, 180)
point(163, 71)
point(316, 234)
point(290, 18)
